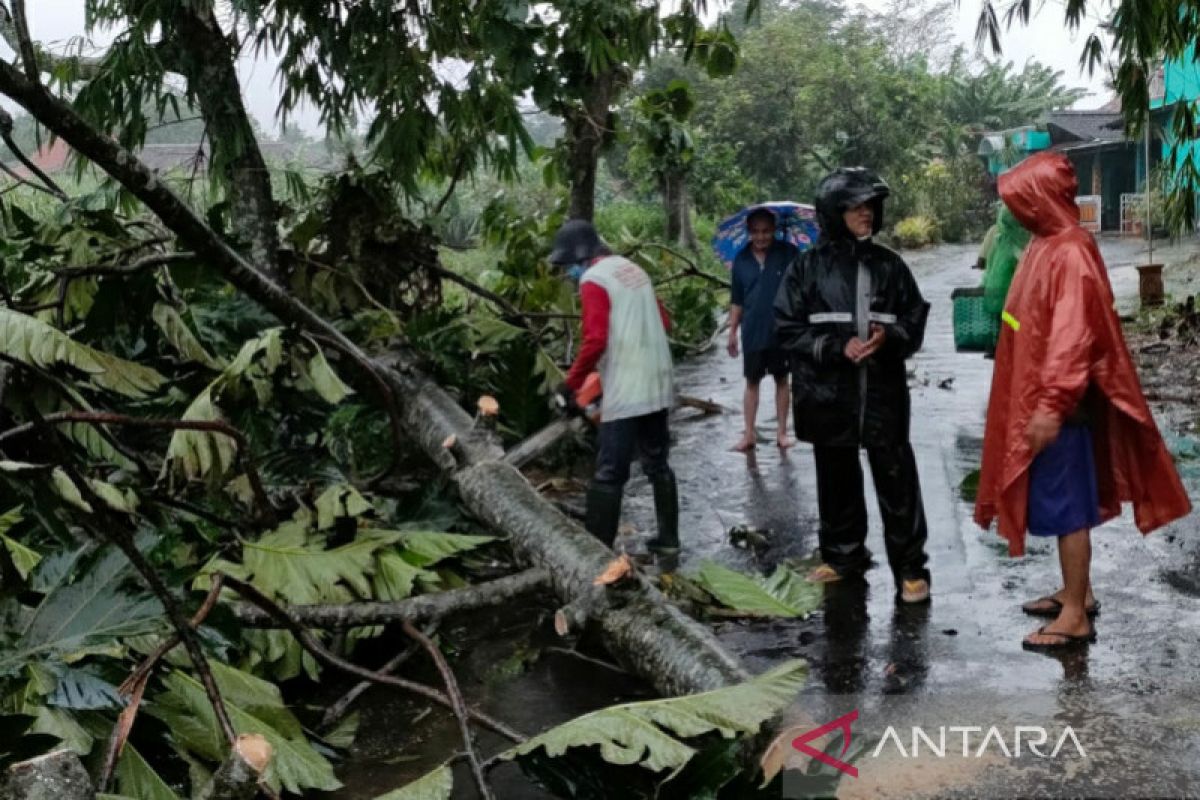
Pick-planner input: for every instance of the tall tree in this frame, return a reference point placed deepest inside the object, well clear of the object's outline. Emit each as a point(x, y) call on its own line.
point(663, 141)
point(593, 49)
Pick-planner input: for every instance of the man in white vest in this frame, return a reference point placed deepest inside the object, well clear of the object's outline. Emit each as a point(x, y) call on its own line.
point(625, 338)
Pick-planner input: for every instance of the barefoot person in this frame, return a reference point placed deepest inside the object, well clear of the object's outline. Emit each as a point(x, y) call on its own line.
point(1069, 435)
point(757, 271)
point(849, 314)
point(625, 337)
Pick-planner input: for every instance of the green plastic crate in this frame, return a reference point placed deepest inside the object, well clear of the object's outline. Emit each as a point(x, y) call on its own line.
point(975, 330)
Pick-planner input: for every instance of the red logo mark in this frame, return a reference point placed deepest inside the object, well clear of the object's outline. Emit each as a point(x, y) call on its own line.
point(843, 724)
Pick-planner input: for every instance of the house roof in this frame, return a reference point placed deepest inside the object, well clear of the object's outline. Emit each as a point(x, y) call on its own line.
point(1084, 126)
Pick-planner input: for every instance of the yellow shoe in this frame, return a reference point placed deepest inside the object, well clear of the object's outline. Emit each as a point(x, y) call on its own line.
point(824, 574)
point(916, 591)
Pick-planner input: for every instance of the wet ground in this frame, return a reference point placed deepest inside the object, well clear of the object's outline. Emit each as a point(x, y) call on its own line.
point(1131, 699)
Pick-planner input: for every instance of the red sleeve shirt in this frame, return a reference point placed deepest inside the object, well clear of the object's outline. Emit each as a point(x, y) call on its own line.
point(596, 308)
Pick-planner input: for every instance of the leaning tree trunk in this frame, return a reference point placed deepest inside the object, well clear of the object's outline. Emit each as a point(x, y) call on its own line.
point(667, 648)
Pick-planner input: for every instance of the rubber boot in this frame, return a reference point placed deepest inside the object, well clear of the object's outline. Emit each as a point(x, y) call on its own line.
point(603, 512)
point(666, 512)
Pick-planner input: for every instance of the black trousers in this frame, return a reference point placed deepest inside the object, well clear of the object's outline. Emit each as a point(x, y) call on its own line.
point(843, 509)
point(617, 442)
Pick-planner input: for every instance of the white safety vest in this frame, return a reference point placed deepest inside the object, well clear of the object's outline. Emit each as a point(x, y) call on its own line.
point(635, 371)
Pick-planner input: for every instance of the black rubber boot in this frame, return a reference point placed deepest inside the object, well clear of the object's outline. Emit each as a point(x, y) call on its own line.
point(603, 511)
point(666, 511)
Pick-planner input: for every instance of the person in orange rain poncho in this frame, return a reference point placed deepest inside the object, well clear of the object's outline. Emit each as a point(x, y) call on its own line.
point(1069, 434)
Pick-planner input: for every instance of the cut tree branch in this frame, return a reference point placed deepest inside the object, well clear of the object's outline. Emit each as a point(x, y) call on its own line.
point(310, 643)
point(421, 608)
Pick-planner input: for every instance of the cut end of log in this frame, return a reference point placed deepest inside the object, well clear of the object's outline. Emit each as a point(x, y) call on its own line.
point(562, 625)
point(488, 407)
point(618, 568)
point(449, 442)
point(255, 750)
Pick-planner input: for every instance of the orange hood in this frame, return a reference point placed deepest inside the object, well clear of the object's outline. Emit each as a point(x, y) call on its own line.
point(1040, 192)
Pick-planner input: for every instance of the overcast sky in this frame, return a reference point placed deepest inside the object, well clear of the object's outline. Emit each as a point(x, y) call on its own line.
point(1046, 39)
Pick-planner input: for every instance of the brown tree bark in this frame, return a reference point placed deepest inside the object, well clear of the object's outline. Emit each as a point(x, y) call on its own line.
point(587, 130)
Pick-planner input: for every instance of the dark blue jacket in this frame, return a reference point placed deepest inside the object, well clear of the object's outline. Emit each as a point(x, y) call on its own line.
point(754, 289)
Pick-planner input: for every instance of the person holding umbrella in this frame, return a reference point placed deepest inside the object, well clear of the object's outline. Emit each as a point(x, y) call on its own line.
point(757, 271)
point(625, 338)
point(850, 314)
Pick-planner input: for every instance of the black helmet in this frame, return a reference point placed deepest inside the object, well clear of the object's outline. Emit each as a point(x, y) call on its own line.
point(845, 188)
point(577, 240)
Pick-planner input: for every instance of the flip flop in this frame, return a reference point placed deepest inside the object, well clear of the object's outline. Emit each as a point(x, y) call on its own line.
point(1055, 608)
point(1066, 641)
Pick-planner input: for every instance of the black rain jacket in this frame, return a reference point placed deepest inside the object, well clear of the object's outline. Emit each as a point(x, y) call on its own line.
point(814, 315)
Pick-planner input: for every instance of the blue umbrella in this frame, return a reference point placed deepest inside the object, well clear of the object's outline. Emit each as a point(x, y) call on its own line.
point(797, 223)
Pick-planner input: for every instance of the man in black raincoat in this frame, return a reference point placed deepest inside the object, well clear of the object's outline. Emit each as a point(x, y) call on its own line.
point(849, 313)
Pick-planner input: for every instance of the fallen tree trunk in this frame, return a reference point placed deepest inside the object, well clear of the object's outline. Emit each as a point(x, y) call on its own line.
point(422, 608)
point(673, 652)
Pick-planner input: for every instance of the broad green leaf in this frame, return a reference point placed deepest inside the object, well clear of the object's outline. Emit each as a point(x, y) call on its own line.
point(648, 734)
point(339, 501)
point(343, 735)
point(92, 614)
point(285, 564)
point(136, 778)
point(394, 577)
point(181, 337)
point(424, 548)
point(24, 558)
point(642, 733)
point(784, 594)
point(324, 380)
point(20, 466)
point(37, 344)
point(62, 724)
point(436, 785)
point(197, 455)
point(185, 709)
point(65, 488)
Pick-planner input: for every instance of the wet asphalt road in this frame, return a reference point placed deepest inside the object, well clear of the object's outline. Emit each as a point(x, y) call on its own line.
point(1132, 698)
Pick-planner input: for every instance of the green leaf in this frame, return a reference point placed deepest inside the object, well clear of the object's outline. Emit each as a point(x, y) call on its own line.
point(424, 548)
point(340, 501)
point(24, 559)
point(185, 709)
point(436, 785)
point(125, 502)
point(65, 488)
point(136, 778)
point(648, 734)
point(92, 614)
point(394, 577)
point(285, 564)
point(784, 594)
point(181, 337)
point(196, 455)
point(37, 344)
point(324, 380)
